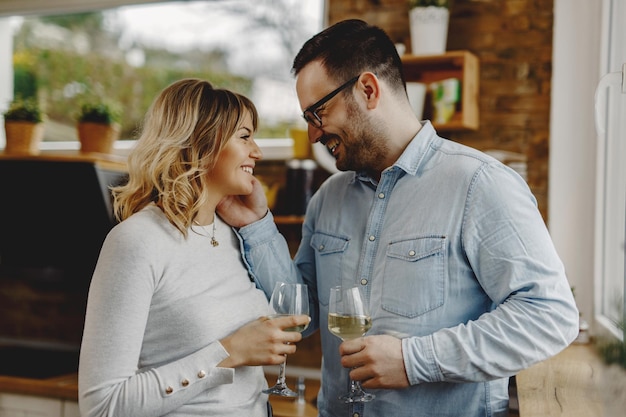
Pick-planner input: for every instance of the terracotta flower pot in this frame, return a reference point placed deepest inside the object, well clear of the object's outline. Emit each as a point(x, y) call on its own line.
point(97, 137)
point(23, 137)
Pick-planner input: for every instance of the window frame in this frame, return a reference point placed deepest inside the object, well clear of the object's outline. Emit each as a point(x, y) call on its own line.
point(610, 222)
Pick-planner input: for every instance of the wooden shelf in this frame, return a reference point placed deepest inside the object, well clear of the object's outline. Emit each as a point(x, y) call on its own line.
point(288, 220)
point(105, 161)
point(462, 65)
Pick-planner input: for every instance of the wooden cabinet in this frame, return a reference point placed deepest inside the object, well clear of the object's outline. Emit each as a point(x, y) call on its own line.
point(288, 220)
point(462, 65)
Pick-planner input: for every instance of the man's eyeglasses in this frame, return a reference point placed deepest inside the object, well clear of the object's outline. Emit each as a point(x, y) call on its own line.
point(310, 113)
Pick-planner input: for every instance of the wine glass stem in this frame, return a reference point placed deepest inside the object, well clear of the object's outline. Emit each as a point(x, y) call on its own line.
point(354, 386)
point(281, 373)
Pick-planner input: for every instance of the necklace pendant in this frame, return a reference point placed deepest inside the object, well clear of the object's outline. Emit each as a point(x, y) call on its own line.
point(214, 242)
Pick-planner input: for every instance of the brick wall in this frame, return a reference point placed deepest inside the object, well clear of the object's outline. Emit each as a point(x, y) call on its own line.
point(513, 41)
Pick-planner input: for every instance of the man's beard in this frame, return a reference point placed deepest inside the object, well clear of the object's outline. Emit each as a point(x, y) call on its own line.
point(362, 146)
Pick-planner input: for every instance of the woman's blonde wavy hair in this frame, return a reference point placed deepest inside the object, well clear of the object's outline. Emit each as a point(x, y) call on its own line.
point(184, 131)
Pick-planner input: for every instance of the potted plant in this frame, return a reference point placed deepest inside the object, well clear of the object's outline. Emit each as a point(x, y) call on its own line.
point(428, 23)
point(23, 126)
point(98, 126)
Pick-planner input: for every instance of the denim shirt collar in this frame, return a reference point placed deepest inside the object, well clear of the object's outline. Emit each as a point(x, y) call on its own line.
point(415, 152)
point(413, 155)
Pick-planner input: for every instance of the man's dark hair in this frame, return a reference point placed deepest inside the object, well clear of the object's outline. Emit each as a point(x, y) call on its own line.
point(350, 47)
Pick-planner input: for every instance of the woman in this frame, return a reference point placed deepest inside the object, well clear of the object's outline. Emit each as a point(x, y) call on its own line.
point(174, 324)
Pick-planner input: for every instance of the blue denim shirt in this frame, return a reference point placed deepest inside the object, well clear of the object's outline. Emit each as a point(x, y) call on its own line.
point(456, 261)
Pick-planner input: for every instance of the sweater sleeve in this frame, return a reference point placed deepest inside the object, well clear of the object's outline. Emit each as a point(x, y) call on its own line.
point(119, 301)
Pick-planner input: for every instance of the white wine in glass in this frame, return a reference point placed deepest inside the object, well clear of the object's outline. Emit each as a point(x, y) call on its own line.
point(287, 300)
point(349, 318)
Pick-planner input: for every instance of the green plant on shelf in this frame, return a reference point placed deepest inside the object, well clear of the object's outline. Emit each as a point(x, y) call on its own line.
point(100, 112)
point(613, 350)
point(24, 110)
point(427, 3)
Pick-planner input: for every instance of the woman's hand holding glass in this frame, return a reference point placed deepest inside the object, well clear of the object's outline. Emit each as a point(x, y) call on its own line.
point(263, 341)
point(288, 300)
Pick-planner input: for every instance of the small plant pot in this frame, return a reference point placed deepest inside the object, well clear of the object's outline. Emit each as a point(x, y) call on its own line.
point(23, 137)
point(97, 137)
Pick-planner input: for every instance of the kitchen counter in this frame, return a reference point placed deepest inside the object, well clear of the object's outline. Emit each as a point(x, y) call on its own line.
point(574, 383)
point(65, 387)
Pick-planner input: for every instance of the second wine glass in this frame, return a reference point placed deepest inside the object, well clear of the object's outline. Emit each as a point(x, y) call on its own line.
point(349, 318)
point(287, 300)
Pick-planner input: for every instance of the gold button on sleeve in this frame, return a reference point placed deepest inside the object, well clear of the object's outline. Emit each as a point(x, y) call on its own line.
point(169, 390)
point(201, 374)
point(184, 382)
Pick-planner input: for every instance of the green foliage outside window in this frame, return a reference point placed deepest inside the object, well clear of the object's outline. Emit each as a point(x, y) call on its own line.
point(64, 88)
point(64, 75)
point(25, 80)
point(426, 3)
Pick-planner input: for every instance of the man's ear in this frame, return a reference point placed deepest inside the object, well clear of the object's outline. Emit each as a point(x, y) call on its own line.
point(369, 88)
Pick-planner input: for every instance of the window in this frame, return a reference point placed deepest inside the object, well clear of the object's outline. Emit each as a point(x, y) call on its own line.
point(244, 45)
point(610, 275)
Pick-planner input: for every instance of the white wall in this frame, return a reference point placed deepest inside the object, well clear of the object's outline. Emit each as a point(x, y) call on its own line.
point(571, 198)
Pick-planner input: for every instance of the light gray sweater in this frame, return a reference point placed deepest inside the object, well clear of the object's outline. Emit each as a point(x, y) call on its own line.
point(158, 305)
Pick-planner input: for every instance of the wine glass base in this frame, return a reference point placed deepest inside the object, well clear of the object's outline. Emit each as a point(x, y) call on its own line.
point(361, 397)
point(280, 390)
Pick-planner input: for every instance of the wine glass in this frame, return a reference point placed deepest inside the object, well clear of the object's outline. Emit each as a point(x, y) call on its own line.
point(349, 318)
point(287, 300)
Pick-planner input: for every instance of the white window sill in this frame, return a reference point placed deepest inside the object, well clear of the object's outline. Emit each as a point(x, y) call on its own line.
point(273, 149)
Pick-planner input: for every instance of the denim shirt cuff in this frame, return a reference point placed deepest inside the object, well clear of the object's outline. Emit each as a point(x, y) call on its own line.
point(419, 360)
point(259, 232)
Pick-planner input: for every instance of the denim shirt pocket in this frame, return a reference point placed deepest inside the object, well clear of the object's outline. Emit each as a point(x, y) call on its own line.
point(414, 277)
point(329, 251)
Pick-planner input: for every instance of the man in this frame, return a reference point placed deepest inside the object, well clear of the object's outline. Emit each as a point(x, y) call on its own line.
point(464, 285)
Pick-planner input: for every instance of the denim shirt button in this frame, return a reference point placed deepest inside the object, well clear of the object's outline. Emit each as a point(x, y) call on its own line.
point(381, 195)
point(372, 238)
point(411, 253)
point(321, 247)
point(363, 281)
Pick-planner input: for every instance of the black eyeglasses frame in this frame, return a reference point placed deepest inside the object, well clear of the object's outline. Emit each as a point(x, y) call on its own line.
point(315, 120)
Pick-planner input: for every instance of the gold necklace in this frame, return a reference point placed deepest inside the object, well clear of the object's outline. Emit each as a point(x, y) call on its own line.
point(214, 241)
